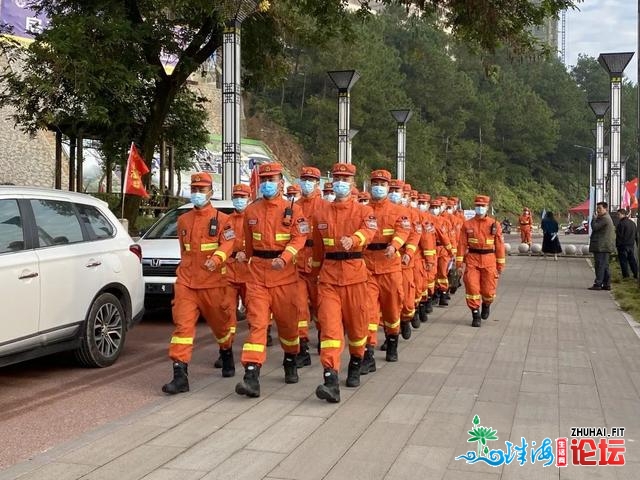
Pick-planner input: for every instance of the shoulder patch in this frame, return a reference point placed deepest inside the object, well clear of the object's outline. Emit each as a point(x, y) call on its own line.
point(418, 227)
point(253, 221)
point(229, 233)
point(429, 227)
point(371, 222)
point(303, 226)
point(322, 226)
point(406, 223)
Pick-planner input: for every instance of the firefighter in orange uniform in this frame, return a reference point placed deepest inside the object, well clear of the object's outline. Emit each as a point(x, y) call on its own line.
point(364, 198)
point(456, 227)
point(310, 202)
point(275, 231)
point(340, 233)
point(525, 221)
point(237, 268)
point(483, 257)
point(425, 269)
point(206, 241)
point(383, 260)
point(444, 251)
point(327, 192)
point(294, 193)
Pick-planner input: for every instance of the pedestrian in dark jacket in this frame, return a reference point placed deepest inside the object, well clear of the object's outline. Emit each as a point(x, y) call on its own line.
point(602, 244)
point(550, 241)
point(626, 244)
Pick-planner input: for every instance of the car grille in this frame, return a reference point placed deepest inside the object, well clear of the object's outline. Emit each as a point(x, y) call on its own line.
point(159, 267)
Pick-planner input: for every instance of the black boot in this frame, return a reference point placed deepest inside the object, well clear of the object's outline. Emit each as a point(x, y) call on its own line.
point(428, 307)
point(486, 310)
point(319, 341)
point(444, 301)
point(446, 295)
point(415, 321)
point(180, 382)
point(303, 359)
point(423, 312)
point(218, 362)
point(475, 315)
point(353, 375)
point(290, 369)
point(250, 386)
point(330, 390)
point(392, 348)
point(405, 329)
point(228, 365)
point(269, 339)
point(368, 361)
point(383, 347)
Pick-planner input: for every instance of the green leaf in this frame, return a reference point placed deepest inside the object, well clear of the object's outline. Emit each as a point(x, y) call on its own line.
point(476, 420)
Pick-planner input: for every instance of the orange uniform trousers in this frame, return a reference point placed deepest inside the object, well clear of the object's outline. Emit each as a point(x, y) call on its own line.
point(342, 309)
point(480, 283)
point(525, 234)
point(261, 301)
point(442, 271)
point(385, 297)
point(307, 304)
point(420, 279)
point(214, 305)
point(409, 293)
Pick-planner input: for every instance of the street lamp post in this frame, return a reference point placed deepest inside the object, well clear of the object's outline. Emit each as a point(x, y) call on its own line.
point(614, 64)
point(352, 133)
point(599, 109)
point(592, 199)
point(344, 80)
point(235, 12)
point(401, 117)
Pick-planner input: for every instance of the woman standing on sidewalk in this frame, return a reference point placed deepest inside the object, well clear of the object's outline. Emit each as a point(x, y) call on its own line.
point(550, 241)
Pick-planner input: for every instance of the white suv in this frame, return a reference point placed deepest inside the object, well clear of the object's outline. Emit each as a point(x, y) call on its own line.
point(71, 277)
point(162, 254)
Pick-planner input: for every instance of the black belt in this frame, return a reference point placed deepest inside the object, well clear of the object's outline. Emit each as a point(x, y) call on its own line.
point(267, 253)
point(377, 246)
point(438, 244)
point(481, 252)
point(308, 243)
point(342, 255)
point(233, 254)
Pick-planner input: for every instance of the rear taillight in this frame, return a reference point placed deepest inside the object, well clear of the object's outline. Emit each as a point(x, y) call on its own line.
point(137, 250)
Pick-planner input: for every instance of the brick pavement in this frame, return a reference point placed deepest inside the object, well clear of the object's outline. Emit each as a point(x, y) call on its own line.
point(553, 355)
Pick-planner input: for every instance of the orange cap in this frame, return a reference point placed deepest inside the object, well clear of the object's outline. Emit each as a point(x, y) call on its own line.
point(395, 183)
point(424, 197)
point(381, 175)
point(482, 200)
point(328, 187)
point(364, 196)
point(436, 202)
point(414, 195)
point(268, 169)
point(406, 188)
point(344, 169)
point(293, 189)
point(454, 199)
point(312, 172)
point(201, 179)
point(241, 190)
point(451, 202)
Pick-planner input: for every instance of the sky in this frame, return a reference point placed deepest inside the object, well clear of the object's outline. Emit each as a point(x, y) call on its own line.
point(602, 26)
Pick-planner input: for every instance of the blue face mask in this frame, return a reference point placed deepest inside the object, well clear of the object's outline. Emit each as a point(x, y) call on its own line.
point(269, 189)
point(395, 197)
point(240, 203)
point(307, 187)
point(199, 199)
point(481, 210)
point(329, 197)
point(341, 189)
point(379, 192)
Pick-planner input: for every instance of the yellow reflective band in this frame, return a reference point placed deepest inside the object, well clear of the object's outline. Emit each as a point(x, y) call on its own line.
point(490, 241)
point(431, 284)
point(373, 327)
point(411, 312)
point(388, 231)
point(472, 240)
point(226, 337)
point(488, 298)
point(459, 259)
point(358, 343)
point(392, 325)
point(329, 242)
point(256, 236)
point(187, 247)
point(330, 344)
point(441, 280)
point(232, 329)
point(399, 240)
point(303, 324)
point(362, 238)
point(290, 343)
point(448, 247)
point(221, 254)
point(472, 297)
point(500, 260)
point(182, 340)
point(281, 237)
point(291, 250)
point(428, 253)
point(207, 247)
point(411, 247)
point(316, 264)
point(223, 270)
point(454, 250)
point(253, 347)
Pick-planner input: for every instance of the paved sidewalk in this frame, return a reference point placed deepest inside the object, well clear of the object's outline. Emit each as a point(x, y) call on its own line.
point(552, 356)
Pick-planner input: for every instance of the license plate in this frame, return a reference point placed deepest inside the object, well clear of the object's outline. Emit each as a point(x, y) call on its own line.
point(161, 288)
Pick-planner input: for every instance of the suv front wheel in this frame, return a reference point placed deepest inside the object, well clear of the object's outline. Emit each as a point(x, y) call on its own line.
point(104, 333)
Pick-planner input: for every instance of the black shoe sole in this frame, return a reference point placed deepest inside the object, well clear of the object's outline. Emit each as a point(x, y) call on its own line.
point(352, 384)
point(243, 389)
point(405, 332)
point(383, 347)
point(290, 380)
point(323, 394)
point(303, 362)
point(174, 392)
point(217, 363)
point(475, 324)
point(228, 373)
point(391, 359)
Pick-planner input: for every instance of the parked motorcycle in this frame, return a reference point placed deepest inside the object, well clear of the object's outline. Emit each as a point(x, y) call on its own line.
point(506, 226)
point(582, 229)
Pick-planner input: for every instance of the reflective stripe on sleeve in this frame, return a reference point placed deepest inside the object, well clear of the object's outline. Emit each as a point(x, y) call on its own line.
point(362, 238)
point(207, 247)
point(358, 343)
point(290, 343)
point(182, 340)
point(330, 344)
point(253, 347)
point(256, 236)
point(280, 237)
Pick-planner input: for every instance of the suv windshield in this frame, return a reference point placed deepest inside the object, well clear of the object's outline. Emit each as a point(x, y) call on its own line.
point(167, 226)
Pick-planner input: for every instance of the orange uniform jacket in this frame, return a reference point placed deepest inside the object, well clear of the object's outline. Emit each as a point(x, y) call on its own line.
point(236, 271)
point(203, 233)
point(481, 244)
point(337, 220)
point(394, 227)
point(525, 221)
point(428, 238)
point(310, 205)
point(442, 236)
point(269, 231)
point(413, 240)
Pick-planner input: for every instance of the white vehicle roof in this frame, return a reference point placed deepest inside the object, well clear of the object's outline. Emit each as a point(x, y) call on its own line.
point(50, 193)
point(215, 203)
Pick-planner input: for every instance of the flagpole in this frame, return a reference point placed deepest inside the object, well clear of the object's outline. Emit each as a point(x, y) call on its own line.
point(126, 177)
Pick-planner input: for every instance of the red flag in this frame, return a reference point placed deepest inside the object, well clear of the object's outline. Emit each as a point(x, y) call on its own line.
point(254, 183)
point(136, 168)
